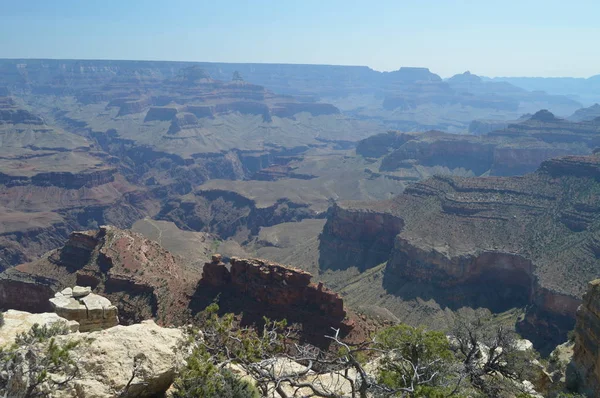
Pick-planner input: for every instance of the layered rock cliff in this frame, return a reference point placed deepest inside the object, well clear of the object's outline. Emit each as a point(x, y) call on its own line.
point(515, 149)
point(583, 374)
point(257, 288)
point(143, 279)
point(51, 182)
point(285, 289)
point(228, 213)
point(496, 242)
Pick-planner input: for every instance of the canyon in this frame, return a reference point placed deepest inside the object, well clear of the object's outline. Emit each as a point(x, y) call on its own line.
point(408, 195)
point(495, 242)
point(146, 281)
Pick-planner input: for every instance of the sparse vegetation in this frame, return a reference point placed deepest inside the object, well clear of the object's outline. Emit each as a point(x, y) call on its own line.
point(202, 378)
point(490, 354)
point(39, 362)
point(414, 359)
point(410, 362)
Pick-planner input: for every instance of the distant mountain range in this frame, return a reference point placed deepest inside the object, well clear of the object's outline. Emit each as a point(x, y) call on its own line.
point(409, 99)
point(583, 90)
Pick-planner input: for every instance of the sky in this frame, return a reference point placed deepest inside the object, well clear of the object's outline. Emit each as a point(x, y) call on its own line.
point(486, 37)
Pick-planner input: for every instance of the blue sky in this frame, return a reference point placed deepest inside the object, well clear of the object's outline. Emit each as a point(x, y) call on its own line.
point(487, 37)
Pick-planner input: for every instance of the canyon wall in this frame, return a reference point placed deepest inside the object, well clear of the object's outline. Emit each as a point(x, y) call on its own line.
point(497, 242)
point(286, 290)
point(143, 279)
point(355, 238)
point(584, 373)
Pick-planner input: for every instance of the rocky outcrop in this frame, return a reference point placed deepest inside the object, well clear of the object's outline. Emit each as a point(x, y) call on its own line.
point(143, 279)
point(128, 106)
point(515, 149)
point(245, 108)
point(25, 292)
point(379, 145)
point(110, 357)
point(584, 372)
point(200, 111)
point(64, 180)
point(284, 289)
point(452, 153)
point(315, 109)
point(354, 238)
point(140, 360)
point(18, 322)
point(227, 213)
point(19, 116)
point(181, 121)
point(586, 114)
point(160, 114)
point(91, 311)
point(496, 242)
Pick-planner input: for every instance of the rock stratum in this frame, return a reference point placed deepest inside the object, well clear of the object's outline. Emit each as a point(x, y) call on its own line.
point(584, 372)
point(408, 98)
point(145, 281)
point(514, 149)
point(51, 182)
point(276, 286)
point(496, 242)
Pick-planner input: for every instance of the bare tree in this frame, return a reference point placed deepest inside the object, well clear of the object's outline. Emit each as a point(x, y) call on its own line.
point(491, 357)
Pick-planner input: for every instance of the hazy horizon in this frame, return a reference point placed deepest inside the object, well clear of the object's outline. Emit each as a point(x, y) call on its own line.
point(515, 39)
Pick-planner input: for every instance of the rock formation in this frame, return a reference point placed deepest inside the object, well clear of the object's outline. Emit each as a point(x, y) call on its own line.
point(495, 242)
point(515, 149)
point(284, 289)
point(586, 114)
point(144, 356)
point(109, 358)
point(143, 279)
point(91, 311)
point(66, 181)
point(227, 212)
point(584, 372)
point(17, 322)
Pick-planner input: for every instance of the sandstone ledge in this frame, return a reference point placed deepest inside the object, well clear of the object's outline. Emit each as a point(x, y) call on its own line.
point(93, 312)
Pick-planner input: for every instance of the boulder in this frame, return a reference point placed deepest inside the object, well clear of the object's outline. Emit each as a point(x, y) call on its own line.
point(140, 360)
point(17, 322)
point(91, 311)
point(79, 291)
point(108, 359)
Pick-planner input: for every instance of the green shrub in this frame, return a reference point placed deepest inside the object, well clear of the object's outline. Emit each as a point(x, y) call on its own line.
point(409, 347)
point(203, 379)
point(1, 319)
point(38, 361)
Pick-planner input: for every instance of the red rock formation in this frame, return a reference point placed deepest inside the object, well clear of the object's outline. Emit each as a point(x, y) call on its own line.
point(279, 287)
point(357, 238)
point(216, 273)
point(142, 278)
